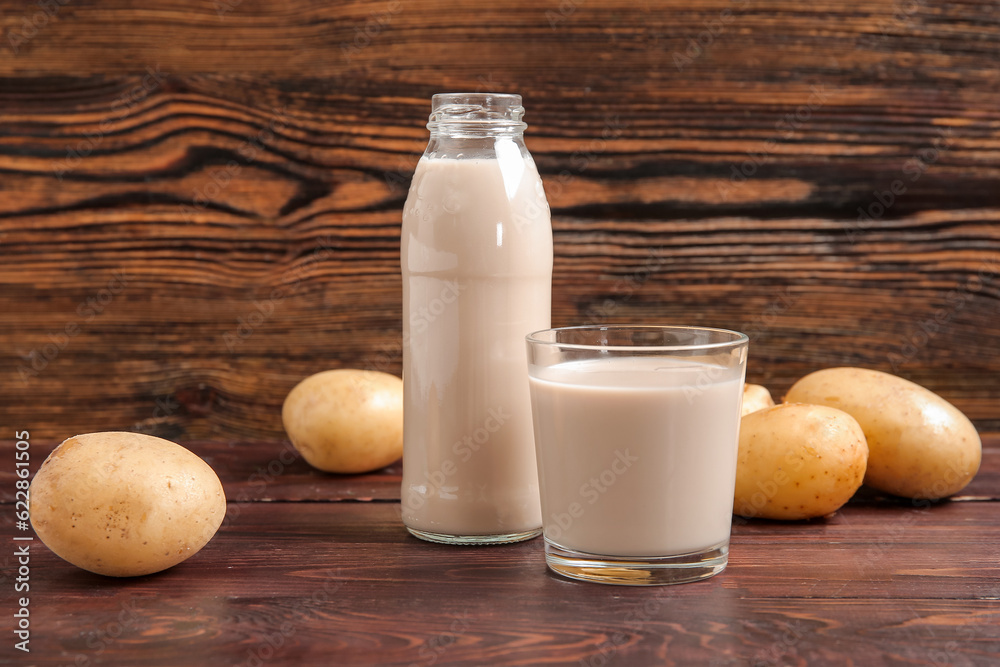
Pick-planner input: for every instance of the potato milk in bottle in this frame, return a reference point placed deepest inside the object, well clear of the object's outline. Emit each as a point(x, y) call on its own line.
point(476, 258)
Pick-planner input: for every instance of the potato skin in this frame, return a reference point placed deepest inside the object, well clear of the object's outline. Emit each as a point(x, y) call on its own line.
point(755, 397)
point(125, 504)
point(346, 420)
point(920, 445)
point(798, 461)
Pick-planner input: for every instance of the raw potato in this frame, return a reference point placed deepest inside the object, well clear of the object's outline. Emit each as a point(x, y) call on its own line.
point(125, 504)
point(921, 446)
point(755, 397)
point(798, 461)
point(346, 421)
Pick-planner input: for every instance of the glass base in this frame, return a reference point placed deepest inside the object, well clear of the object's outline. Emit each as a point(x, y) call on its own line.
point(637, 570)
point(471, 540)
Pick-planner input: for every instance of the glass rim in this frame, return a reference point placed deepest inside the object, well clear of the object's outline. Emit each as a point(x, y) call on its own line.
point(739, 338)
point(459, 95)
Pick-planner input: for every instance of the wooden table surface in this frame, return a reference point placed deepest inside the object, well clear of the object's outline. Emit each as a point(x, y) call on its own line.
point(310, 568)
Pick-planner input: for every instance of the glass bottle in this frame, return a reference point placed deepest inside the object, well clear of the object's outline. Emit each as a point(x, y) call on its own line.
point(476, 259)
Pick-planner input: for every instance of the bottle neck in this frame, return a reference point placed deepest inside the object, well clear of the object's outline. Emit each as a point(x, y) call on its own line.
point(478, 147)
point(463, 131)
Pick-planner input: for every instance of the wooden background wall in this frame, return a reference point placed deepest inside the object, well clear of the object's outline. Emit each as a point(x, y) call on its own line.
point(200, 200)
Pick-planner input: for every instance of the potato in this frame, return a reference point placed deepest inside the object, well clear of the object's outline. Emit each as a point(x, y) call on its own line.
point(346, 421)
point(125, 504)
point(920, 445)
point(755, 397)
point(798, 461)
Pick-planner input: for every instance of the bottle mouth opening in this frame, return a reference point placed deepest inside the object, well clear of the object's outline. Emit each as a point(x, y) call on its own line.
point(476, 110)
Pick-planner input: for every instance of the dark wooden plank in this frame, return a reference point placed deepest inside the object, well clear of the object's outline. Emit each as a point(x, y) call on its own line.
point(253, 472)
point(635, 41)
point(272, 471)
point(342, 583)
point(275, 472)
point(259, 151)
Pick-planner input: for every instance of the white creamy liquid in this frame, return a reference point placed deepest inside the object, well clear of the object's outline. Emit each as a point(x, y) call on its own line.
point(477, 275)
point(637, 456)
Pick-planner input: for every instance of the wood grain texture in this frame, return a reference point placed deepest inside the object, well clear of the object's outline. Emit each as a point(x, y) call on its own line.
point(267, 471)
point(200, 202)
point(341, 583)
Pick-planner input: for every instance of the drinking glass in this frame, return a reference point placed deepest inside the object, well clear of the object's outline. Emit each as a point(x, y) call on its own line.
point(636, 435)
